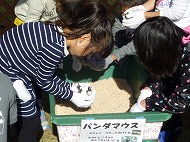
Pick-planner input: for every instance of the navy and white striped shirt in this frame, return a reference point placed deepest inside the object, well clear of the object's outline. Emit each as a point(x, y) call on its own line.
point(32, 52)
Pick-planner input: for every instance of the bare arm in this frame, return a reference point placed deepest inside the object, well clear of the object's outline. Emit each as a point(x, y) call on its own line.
point(149, 5)
point(151, 14)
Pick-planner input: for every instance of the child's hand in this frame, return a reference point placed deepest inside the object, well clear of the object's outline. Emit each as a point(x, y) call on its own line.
point(136, 108)
point(140, 106)
point(133, 19)
point(99, 64)
point(77, 65)
point(145, 93)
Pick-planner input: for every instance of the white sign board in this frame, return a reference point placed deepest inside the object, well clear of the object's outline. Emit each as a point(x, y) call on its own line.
point(112, 130)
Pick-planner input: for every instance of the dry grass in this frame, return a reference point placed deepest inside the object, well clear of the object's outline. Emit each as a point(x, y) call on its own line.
point(49, 135)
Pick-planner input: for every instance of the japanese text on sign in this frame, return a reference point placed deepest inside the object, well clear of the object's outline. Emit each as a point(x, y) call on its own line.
point(113, 130)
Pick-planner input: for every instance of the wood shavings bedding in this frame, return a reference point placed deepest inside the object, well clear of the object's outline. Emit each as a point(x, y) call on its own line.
point(112, 96)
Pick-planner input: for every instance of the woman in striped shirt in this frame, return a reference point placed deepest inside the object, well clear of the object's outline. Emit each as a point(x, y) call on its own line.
point(32, 52)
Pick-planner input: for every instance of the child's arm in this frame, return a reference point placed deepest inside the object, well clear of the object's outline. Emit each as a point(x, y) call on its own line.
point(122, 41)
point(140, 106)
point(134, 16)
point(96, 63)
point(149, 5)
point(128, 49)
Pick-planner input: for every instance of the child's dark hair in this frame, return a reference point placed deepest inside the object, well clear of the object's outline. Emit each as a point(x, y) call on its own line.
point(158, 42)
point(92, 18)
point(67, 9)
point(131, 3)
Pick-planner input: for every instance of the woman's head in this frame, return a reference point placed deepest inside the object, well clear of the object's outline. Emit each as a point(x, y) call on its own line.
point(91, 20)
point(158, 42)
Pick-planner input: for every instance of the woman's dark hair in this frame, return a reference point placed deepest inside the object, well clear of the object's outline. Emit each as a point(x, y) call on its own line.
point(158, 42)
point(92, 18)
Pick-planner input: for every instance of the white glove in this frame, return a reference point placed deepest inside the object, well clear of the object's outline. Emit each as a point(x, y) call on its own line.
point(133, 19)
point(84, 88)
point(77, 65)
point(83, 94)
point(136, 108)
point(21, 90)
point(143, 95)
